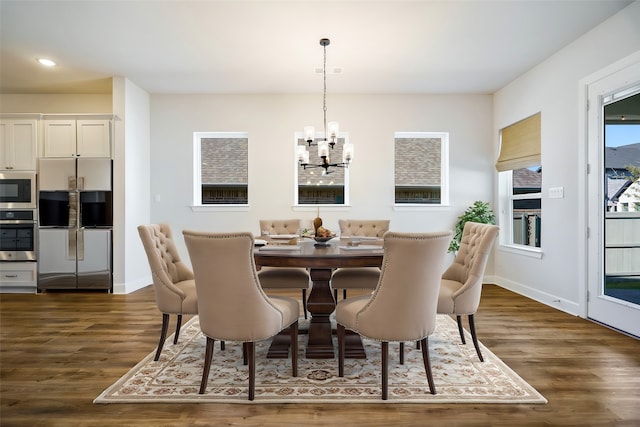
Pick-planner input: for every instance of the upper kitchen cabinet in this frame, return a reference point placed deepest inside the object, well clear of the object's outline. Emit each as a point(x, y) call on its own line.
point(77, 138)
point(18, 144)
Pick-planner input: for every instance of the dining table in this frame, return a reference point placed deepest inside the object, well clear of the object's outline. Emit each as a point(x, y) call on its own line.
point(321, 259)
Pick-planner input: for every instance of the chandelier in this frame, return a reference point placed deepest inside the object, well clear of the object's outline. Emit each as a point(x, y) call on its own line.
point(330, 133)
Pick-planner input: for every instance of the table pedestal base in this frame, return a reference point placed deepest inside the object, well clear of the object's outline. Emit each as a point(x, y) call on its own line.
point(320, 343)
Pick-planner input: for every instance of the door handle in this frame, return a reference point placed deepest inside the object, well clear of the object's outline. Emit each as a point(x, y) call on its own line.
point(73, 243)
point(80, 245)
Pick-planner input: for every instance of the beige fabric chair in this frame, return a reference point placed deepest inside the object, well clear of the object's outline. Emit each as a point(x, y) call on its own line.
point(403, 305)
point(173, 283)
point(461, 284)
point(284, 277)
point(231, 304)
point(358, 277)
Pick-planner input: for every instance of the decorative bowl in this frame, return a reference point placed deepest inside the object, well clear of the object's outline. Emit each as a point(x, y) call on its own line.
point(323, 241)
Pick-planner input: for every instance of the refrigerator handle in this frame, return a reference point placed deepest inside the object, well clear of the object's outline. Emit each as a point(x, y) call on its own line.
point(80, 245)
point(80, 183)
point(73, 242)
point(71, 183)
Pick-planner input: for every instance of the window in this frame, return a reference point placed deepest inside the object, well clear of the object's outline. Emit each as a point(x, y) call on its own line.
point(421, 168)
point(314, 185)
point(520, 177)
point(220, 168)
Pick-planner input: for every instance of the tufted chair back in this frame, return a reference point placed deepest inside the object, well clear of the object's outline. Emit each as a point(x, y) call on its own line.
point(280, 226)
point(363, 227)
point(167, 270)
point(468, 268)
point(231, 303)
point(403, 305)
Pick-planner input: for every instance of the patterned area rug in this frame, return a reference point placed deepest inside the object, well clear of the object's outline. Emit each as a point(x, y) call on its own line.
point(459, 375)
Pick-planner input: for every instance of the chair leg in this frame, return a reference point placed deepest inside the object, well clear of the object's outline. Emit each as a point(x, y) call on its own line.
point(335, 295)
point(424, 343)
point(178, 324)
point(208, 355)
point(304, 302)
point(344, 294)
point(341, 334)
point(385, 369)
point(402, 353)
point(163, 335)
point(294, 348)
point(251, 353)
point(222, 345)
point(245, 361)
point(474, 337)
point(460, 330)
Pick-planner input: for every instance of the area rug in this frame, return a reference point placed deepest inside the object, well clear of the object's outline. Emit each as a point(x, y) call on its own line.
point(459, 375)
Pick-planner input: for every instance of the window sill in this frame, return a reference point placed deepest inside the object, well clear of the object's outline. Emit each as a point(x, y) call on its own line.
point(408, 207)
point(522, 250)
point(220, 208)
point(323, 208)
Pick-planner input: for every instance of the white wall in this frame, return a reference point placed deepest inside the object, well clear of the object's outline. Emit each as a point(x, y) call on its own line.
point(553, 89)
point(55, 104)
point(131, 185)
point(272, 120)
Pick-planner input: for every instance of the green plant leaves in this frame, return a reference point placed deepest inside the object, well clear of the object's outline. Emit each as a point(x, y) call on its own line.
point(478, 212)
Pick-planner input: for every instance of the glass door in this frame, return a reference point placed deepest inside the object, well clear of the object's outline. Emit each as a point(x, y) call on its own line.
point(614, 200)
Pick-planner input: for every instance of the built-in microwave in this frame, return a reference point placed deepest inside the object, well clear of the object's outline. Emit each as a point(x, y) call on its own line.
point(17, 190)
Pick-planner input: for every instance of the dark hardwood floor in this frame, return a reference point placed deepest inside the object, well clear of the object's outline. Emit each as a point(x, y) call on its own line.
point(61, 350)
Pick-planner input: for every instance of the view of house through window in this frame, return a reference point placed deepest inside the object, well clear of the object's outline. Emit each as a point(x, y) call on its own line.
point(527, 205)
point(421, 168)
point(221, 168)
point(317, 186)
point(621, 202)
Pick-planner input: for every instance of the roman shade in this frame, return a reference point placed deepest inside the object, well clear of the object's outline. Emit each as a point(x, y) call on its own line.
point(520, 147)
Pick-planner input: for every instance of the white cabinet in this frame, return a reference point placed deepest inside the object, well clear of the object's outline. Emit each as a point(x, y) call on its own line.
point(18, 277)
point(77, 138)
point(18, 144)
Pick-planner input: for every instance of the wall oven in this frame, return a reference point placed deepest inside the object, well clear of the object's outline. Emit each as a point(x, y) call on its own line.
point(17, 235)
point(17, 190)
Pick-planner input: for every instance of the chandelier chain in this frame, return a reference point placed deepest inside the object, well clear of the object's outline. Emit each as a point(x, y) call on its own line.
point(324, 97)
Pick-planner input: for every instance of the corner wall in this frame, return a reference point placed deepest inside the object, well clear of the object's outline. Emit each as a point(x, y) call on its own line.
point(131, 182)
point(553, 89)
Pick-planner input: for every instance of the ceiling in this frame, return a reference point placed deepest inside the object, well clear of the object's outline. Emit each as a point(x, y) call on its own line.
point(269, 46)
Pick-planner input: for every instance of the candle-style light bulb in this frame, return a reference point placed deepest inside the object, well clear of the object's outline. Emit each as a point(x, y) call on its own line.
point(309, 134)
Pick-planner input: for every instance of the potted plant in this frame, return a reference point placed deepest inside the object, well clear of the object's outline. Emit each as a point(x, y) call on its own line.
point(478, 212)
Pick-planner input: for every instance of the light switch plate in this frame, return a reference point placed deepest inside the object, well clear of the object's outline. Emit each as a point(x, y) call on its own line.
point(556, 192)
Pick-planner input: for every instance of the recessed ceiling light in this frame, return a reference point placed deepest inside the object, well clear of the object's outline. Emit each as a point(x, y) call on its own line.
point(46, 62)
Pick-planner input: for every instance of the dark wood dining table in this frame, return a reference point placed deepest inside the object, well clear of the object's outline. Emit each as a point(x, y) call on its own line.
point(321, 261)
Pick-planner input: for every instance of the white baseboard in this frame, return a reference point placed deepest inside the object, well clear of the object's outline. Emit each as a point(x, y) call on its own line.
point(570, 307)
point(131, 286)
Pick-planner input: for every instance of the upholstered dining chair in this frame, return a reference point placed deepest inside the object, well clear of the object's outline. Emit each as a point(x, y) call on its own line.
point(403, 305)
point(284, 277)
point(173, 283)
point(231, 304)
point(358, 277)
point(461, 284)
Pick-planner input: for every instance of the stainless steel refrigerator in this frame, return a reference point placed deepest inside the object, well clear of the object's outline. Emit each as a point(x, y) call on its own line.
point(75, 205)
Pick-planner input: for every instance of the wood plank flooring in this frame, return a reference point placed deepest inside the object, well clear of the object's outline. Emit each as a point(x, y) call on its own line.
point(58, 351)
